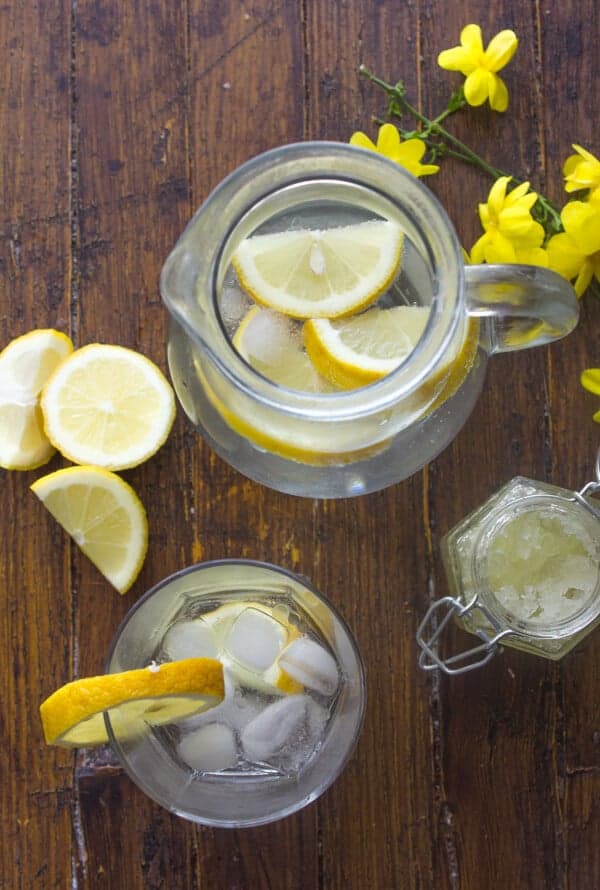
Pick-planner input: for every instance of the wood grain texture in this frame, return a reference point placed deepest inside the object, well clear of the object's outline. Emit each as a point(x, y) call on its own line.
point(117, 120)
point(36, 632)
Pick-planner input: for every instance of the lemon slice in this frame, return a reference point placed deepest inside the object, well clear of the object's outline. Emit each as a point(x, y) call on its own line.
point(74, 715)
point(25, 366)
point(353, 352)
point(320, 273)
point(108, 406)
point(103, 515)
point(272, 344)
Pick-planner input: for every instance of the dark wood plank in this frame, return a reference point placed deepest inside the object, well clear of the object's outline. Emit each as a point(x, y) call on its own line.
point(130, 70)
point(574, 435)
point(36, 633)
point(232, 47)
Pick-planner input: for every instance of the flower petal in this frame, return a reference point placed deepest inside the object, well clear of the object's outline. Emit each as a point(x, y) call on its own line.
point(582, 221)
point(500, 250)
point(570, 164)
point(471, 39)
point(521, 196)
point(498, 93)
point(457, 59)
point(427, 169)
point(590, 380)
point(564, 255)
point(583, 280)
point(477, 87)
point(501, 49)
point(411, 150)
point(534, 256)
point(516, 223)
point(497, 195)
point(362, 141)
point(388, 141)
point(586, 155)
point(583, 176)
point(478, 249)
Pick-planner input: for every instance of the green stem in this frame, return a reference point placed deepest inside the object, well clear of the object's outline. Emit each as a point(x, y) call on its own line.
point(440, 141)
point(544, 211)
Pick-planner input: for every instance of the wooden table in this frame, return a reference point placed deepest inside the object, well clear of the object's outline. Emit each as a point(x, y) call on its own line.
point(117, 119)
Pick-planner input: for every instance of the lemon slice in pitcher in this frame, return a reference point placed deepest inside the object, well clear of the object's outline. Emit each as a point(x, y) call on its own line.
point(352, 352)
point(320, 273)
point(73, 716)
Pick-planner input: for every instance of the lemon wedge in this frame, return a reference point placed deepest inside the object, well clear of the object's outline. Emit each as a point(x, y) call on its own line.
point(352, 352)
point(103, 515)
point(272, 344)
point(108, 406)
point(25, 366)
point(320, 273)
point(73, 716)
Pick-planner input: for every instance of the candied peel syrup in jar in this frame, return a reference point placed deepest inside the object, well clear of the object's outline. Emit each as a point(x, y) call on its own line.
point(524, 571)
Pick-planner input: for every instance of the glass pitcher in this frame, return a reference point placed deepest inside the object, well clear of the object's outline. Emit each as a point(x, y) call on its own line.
point(349, 442)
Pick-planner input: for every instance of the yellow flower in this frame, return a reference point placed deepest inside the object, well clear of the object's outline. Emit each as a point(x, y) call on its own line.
point(590, 380)
point(511, 235)
point(408, 154)
point(575, 253)
point(582, 171)
point(480, 66)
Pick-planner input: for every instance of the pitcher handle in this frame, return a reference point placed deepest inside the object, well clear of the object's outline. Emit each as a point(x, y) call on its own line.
point(523, 305)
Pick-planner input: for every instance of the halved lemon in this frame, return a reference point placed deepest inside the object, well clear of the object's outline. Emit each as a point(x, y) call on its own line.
point(73, 716)
point(352, 352)
point(108, 406)
point(103, 515)
point(320, 273)
point(25, 366)
point(272, 344)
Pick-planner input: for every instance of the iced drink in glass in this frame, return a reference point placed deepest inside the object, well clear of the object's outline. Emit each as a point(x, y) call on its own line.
point(294, 693)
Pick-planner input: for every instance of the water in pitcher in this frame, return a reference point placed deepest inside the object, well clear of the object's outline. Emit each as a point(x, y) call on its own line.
point(325, 297)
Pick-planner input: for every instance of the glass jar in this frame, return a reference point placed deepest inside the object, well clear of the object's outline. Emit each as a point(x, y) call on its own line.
point(338, 444)
point(524, 570)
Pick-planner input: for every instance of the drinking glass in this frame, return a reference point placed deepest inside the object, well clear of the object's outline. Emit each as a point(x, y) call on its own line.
point(271, 747)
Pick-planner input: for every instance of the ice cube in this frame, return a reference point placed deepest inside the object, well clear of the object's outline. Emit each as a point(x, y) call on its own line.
point(189, 639)
point(277, 725)
point(310, 664)
point(255, 640)
point(243, 706)
point(209, 748)
point(234, 303)
point(293, 757)
point(269, 337)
